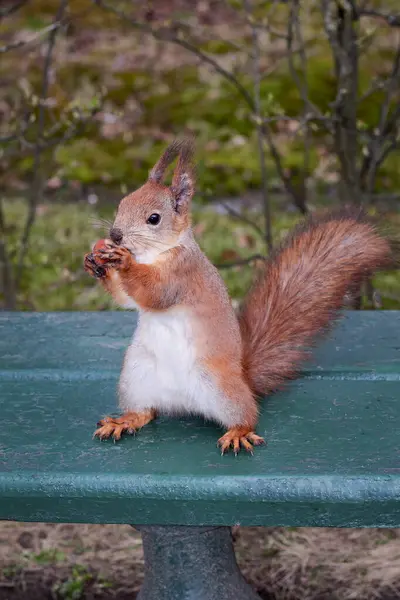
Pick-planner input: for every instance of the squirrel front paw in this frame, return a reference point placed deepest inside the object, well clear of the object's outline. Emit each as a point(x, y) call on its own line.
point(114, 256)
point(92, 267)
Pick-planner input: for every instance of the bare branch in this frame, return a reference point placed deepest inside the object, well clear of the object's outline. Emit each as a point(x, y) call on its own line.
point(339, 20)
point(257, 111)
point(22, 126)
point(391, 20)
point(6, 12)
point(7, 285)
point(376, 85)
point(46, 142)
point(240, 217)
point(242, 262)
point(34, 38)
point(304, 120)
point(392, 87)
point(302, 85)
point(293, 192)
point(37, 185)
point(393, 145)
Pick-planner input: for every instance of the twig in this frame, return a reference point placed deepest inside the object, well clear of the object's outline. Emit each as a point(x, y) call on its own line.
point(43, 144)
point(307, 131)
point(34, 38)
point(276, 64)
point(310, 113)
point(241, 263)
point(23, 124)
point(377, 84)
point(301, 83)
point(260, 137)
point(37, 185)
point(7, 281)
point(6, 12)
point(286, 180)
point(240, 217)
point(391, 20)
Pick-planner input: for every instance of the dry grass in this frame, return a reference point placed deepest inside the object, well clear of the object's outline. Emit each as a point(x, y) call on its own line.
point(40, 561)
point(322, 563)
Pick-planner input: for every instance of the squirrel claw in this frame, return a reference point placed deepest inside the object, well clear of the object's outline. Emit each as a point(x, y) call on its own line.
point(239, 437)
point(116, 256)
point(91, 266)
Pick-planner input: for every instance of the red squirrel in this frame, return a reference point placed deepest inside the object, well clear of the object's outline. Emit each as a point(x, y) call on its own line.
point(191, 353)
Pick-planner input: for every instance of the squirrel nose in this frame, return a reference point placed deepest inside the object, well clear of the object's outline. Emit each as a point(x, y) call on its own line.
point(116, 235)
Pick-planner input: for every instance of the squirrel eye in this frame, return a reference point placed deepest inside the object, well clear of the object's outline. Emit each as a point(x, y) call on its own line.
point(154, 219)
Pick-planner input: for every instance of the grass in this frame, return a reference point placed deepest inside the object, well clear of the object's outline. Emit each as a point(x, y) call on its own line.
point(54, 278)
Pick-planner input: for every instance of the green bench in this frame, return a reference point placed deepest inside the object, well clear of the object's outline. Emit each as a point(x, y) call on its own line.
point(332, 459)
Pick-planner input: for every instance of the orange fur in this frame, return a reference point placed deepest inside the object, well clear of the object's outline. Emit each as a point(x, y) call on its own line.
point(149, 284)
point(231, 382)
point(300, 291)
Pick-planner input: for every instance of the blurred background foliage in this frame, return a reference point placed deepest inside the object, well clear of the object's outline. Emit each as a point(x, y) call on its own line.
point(295, 106)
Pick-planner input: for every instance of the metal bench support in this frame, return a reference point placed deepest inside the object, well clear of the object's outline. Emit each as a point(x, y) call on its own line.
point(191, 563)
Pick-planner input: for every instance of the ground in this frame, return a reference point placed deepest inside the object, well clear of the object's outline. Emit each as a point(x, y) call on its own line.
point(67, 561)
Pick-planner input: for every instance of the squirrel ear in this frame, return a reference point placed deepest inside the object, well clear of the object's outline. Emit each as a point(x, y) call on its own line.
point(183, 181)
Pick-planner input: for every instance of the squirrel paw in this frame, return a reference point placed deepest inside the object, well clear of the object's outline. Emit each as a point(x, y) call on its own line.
point(118, 257)
point(238, 437)
point(128, 423)
point(92, 267)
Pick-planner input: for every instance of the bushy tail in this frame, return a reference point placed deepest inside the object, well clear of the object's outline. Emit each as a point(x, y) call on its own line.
point(300, 293)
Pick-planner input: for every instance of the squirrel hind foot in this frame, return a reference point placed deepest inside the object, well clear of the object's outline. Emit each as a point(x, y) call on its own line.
point(240, 437)
point(129, 423)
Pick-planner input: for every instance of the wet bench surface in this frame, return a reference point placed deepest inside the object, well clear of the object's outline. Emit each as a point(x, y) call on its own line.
point(332, 459)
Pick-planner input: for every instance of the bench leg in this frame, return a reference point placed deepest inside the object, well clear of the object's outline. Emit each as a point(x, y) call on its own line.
point(191, 563)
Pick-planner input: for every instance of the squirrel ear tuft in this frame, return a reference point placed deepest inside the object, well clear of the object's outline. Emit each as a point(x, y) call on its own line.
point(183, 181)
point(158, 171)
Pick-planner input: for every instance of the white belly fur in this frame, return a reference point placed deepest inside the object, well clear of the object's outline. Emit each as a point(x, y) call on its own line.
point(161, 369)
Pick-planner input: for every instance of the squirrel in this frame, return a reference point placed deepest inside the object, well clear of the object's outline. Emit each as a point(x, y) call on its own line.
point(191, 352)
